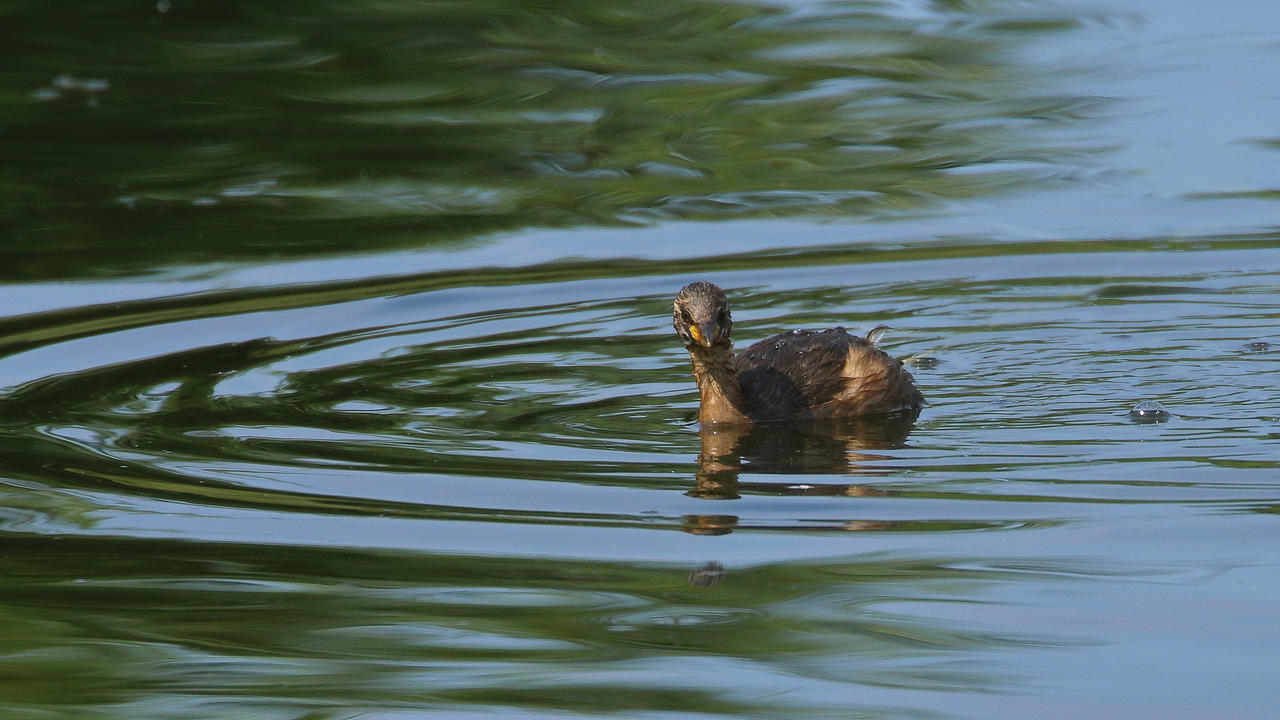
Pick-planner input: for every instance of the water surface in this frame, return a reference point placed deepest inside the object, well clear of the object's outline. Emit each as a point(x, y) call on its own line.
point(338, 378)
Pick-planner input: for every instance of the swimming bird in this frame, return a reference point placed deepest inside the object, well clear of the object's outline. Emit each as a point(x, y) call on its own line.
point(801, 374)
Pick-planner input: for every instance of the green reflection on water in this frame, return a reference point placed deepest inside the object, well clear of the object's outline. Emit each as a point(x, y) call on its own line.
point(172, 629)
point(244, 130)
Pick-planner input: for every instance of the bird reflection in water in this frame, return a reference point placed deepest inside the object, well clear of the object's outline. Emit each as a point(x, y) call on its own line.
point(838, 446)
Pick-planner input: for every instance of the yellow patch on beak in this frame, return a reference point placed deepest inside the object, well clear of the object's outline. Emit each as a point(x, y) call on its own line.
point(705, 333)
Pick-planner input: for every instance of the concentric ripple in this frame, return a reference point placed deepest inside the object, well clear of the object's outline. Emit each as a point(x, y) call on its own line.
point(579, 411)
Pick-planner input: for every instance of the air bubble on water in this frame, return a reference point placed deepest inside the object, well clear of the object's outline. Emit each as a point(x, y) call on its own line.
point(1148, 411)
point(921, 362)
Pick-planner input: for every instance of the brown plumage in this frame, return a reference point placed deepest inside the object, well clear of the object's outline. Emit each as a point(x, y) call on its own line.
point(802, 374)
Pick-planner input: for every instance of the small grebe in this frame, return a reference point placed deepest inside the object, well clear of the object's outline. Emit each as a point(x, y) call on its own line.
point(801, 374)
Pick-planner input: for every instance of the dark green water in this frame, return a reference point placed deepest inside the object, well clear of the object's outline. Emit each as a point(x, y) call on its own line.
point(337, 377)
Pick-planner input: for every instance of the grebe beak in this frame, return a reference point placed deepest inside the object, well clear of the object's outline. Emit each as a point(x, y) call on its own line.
point(704, 333)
